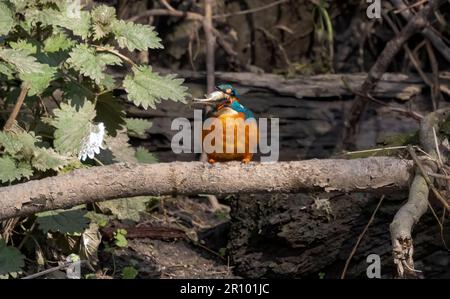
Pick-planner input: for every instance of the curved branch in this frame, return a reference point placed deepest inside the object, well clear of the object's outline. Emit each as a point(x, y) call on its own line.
point(377, 174)
point(417, 205)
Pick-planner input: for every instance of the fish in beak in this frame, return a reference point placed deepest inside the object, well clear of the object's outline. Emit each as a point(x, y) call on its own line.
point(213, 97)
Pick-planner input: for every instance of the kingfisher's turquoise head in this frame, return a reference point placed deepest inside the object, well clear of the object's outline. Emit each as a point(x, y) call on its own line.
point(228, 89)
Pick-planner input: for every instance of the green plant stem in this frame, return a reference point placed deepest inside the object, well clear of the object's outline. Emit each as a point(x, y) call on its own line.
point(114, 52)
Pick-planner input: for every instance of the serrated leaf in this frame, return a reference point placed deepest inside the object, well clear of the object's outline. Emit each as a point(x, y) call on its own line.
point(6, 18)
point(110, 112)
point(23, 62)
point(102, 18)
point(38, 82)
point(90, 64)
point(120, 149)
point(46, 158)
point(19, 4)
point(135, 36)
point(72, 126)
point(147, 88)
point(11, 171)
point(79, 22)
point(108, 83)
point(10, 143)
point(109, 59)
point(7, 71)
point(137, 127)
point(24, 45)
point(144, 156)
point(11, 260)
point(57, 42)
point(103, 14)
point(18, 142)
point(63, 221)
point(76, 93)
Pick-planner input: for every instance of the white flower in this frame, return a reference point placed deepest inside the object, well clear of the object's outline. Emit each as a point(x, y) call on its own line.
point(93, 143)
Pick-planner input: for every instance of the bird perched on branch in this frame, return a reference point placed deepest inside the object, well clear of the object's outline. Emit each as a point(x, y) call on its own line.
point(237, 137)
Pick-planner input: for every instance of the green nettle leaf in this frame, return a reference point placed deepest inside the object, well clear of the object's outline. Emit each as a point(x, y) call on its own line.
point(10, 143)
point(6, 70)
point(11, 260)
point(137, 127)
point(108, 83)
point(11, 171)
point(46, 158)
point(118, 149)
point(6, 18)
point(38, 82)
point(102, 18)
point(67, 18)
point(20, 4)
point(17, 142)
point(76, 93)
point(23, 62)
point(110, 112)
point(135, 36)
point(144, 156)
point(57, 42)
point(147, 88)
point(27, 47)
point(109, 59)
point(72, 127)
point(90, 64)
point(63, 221)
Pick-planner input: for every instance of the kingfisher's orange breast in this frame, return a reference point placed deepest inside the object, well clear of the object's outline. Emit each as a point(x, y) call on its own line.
point(233, 139)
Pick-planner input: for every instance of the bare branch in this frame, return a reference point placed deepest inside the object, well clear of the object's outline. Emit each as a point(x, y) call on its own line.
point(377, 174)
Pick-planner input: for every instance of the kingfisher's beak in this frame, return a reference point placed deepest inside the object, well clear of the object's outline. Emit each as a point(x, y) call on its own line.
point(212, 97)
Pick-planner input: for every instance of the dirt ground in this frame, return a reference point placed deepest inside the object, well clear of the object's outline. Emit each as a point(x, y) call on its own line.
point(196, 255)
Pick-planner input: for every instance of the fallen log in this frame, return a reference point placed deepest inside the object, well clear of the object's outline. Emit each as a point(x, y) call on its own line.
point(391, 85)
point(289, 236)
point(377, 174)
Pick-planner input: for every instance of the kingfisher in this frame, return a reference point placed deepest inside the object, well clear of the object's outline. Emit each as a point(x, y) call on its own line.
point(238, 138)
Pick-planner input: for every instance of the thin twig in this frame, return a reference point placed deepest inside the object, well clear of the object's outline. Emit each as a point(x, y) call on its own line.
point(167, 5)
point(441, 163)
point(436, 95)
point(411, 6)
point(16, 109)
point(376, 150)
point(249, 11)
point(347, 263)
point(114, 52)
point(48, 271)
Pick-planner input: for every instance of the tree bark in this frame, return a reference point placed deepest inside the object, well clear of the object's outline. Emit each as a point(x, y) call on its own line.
point(288, 236)
point(378, 174)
